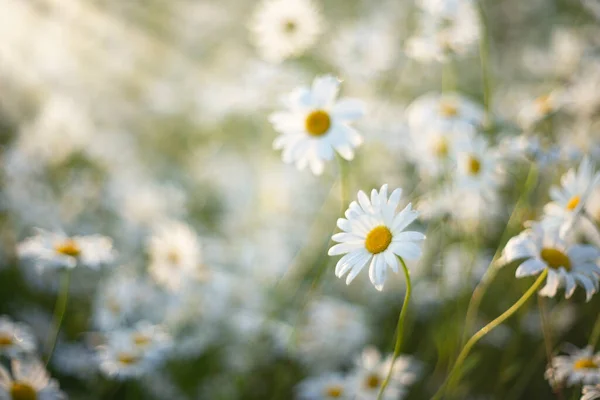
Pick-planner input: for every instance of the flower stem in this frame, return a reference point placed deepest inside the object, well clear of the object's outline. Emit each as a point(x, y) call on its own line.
point(454, 374)
point(344, 184)
point(595, 336)
point(59, 312)
point(399, 328)
point(486, 75)
point(490, 274)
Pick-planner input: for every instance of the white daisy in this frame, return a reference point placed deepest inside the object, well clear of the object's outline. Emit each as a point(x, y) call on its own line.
point(571, 196)
point(328, 386)
point(28, 380)
point(15, 338)
point(55, 250)
point(534, 111)
point(373, 232)
point(448, 108)
point(371, 370)
point(590, 392)
point(568, 265)
point(580, 366)
point(175, 255)
point(285, 28)
point(315, 125)
point(477, 164)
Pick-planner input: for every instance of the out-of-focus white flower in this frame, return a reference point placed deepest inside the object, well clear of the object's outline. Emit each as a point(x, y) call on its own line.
point(328, 386)
point(133, 352)
point(580, 366)
point(15, 338)
point(445, 29)
point(561, 59)
point(533, 111)
point(74, 359)
point(55, 250)
point(333, 330)
point(285, 28)
point(582, 96)
point(316, 125)
point(373, 233)
point(447, 108)
point(175, 255)
point(370, 372)
point(570, 198)
point(477, 164)
point(28, 379)
point(568, 265)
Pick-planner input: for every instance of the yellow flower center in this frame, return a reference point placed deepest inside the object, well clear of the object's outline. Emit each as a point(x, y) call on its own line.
point(372, 381)
point(573, 203)
point(318, 123)
point(334, 392)
point(68, 248)
point(289, 26)
point(585, 363)
point(544, 104)
point(448, 109)
point(6, 340)
point(556, 258)
point(173, 257)
point(473, 165)
point(126, 358)
point(378, 239)
point(141, 340)
point(441, 147)
point(22, 391)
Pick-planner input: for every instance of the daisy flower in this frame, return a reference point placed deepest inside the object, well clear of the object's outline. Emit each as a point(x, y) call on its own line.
point(448, 108)
point(55, 250)
point(315, 125)
point(567, 265)
point(285, 28)
point(373, 233)
point(175, 255)
point(571, 196)
point(477, 165)
point(15, 338)
point(580, 366)
point(590, 392)
point(534, 111)
point(28, 380)
point(328, 386)
point(371, 370)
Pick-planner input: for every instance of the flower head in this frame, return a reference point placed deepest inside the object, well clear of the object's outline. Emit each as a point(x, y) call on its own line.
point(373, 232)
point(568, 264)
point(580, 366)
point(15, 338)
point(28, 380)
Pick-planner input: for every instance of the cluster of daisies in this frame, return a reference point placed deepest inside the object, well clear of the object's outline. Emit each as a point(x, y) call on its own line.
point(157, 239)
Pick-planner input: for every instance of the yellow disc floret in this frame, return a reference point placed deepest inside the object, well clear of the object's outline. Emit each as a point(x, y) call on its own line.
point(372, 381)
point(68, 247)
point(585, 363)
point(555, 258)
point(573, 203)
point(22, 391)
point(318, 123)
point(334, 391)
point(378, 239)
point(473, 165)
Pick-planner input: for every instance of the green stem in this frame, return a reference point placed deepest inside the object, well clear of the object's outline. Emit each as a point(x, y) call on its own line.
point(595, 336)
point(454, 375)
point(399, 328)
point(448, 77)
point(486, 75)
point(59, 312)
point(547, 332)
point(492, 271)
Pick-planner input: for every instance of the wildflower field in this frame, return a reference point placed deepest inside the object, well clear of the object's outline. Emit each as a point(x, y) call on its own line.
point(299, 199)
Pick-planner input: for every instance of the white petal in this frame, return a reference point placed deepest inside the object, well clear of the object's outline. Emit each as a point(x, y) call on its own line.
point(408, 236)
point(356, 270)
point(349, 109)
point(377, 271)
point(552, 283)
point(344, 224)
point(325, 90)
point(406, 250)
point(346, 237)
point(529, 267)
point(343, 248)
point(355, 258)
point(391, 260)
point(364, 202)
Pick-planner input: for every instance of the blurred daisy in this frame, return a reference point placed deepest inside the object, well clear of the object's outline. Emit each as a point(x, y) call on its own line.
point(285, 28)
point(580, 366)
point(477, 165)
point(590, 392)
point(175, 255)
point(571, 196)
point(132, 352)
point(370, 371)
point(447, 108)
point(55, 250)
point(373, 232)
point(567, 265)
point(28, 380)
point(328, 386)
point(534, 111)
point(316, 125)
point(15, 338)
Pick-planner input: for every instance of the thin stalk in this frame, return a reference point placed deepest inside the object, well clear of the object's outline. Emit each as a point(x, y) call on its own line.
point(492, 271)
point(486, 75)
point(454, 374)
point(399, 328)
point(59, 312)
point(547, 332)
point(595, 336)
